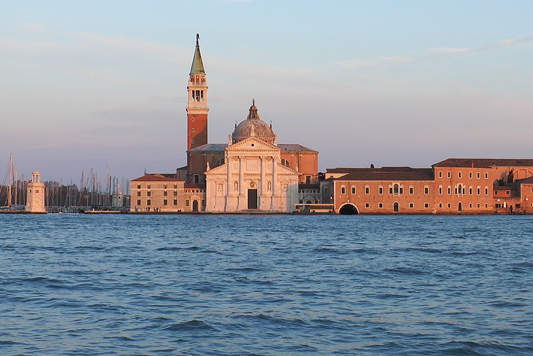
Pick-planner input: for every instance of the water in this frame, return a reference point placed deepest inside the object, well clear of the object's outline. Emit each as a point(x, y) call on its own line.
point(265, 285)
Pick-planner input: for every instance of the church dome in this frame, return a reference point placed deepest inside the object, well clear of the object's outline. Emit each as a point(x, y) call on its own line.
point(253, 126)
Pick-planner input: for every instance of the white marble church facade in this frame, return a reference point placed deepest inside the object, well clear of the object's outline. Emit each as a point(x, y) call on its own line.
point(252, 178)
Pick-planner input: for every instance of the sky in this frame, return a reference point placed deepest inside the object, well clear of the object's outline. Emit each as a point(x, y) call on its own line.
point(102, 85)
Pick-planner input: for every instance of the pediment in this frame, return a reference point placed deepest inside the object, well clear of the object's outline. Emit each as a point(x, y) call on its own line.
point(252, 144)
point(223, 168)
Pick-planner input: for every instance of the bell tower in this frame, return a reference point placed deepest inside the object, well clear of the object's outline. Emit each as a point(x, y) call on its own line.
point(197, 104)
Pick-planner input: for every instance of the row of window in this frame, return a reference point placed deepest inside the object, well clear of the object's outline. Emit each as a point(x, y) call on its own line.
point(396, 205)
point(460, 175)
point(197, 78)
point(461, 190)
point(396, 189)
point(197, 95)
point(149, 202)
point(149, 193)
point(150, 187)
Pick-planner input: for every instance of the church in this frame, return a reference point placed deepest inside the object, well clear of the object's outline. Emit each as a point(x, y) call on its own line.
point(252, 172)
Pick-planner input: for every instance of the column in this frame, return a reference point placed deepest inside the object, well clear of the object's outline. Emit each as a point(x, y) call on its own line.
point(229, 186)
point(275, 197)
point(242, 195)
point(262, 197)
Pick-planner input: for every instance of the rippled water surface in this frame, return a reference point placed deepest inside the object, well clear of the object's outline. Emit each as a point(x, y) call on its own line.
point(265, 285)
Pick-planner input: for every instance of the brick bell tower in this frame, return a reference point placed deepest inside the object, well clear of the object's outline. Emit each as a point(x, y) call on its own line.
point(197, 106)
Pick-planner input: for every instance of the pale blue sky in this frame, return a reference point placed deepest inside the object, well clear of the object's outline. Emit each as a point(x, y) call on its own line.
point(90, 84)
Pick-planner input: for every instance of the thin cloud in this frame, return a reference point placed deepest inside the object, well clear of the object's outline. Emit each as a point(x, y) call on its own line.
point(357, 63)
point(32, 27)
point(434, 53)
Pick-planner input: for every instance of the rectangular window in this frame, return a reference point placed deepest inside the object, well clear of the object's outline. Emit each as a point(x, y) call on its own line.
point(478, 205)
point(148, 194)
point(470, 205)
point(449, 174)
point(307, 179)
point(138, 186)
point(449, 205)
point(459, 175)
point(367, 190)
point(440, 205)
point(486, 175)
point(478, 190)
point(165, 193)
point(353, 190)
point(401, 190)
point(148, 187)
point(486, 191)
point(186, 203)
point(470, 175)
point(175, 201)
point(411, 190)
point(440, 190)
point(343, 190)
point(196, 178)
point(470, 191)
point(380, 205)
point(426, 205)
point(175, 186)
point(367, 205)
point(440, 174)
point(380, 190)
point(507, 192)
point(411, 205)
point(390, 190)
point(449, 190)
point(478, 175)
point(148, 202)
point(138, 194)
point(175, 193)
point(165, 202)
point(138, 201)
point(426, 190)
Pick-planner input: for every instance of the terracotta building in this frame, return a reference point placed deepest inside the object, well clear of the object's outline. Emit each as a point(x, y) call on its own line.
point(452, 186)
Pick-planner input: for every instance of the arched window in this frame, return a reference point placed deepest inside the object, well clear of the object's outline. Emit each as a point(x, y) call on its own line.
point(396, 207)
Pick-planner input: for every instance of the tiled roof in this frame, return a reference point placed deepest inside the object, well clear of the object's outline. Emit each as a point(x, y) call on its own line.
point(484, 162)
point(210, 147)
point(389, 174)
point(359, 169)
point(525, 181)
point(294, 147)
point(158, 177)
point(504, 187)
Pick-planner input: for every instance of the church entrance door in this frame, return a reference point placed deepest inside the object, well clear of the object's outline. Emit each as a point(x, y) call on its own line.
point(252, 198)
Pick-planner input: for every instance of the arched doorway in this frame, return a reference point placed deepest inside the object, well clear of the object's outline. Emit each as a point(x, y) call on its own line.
point(348, 209)
point(460, 207)
point(396, 207)
point(195, 205)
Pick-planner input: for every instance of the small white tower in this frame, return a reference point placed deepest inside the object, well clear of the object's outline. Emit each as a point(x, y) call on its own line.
point(35, 195)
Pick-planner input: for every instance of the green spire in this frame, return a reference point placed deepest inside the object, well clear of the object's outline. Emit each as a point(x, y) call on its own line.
point(197, 66)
